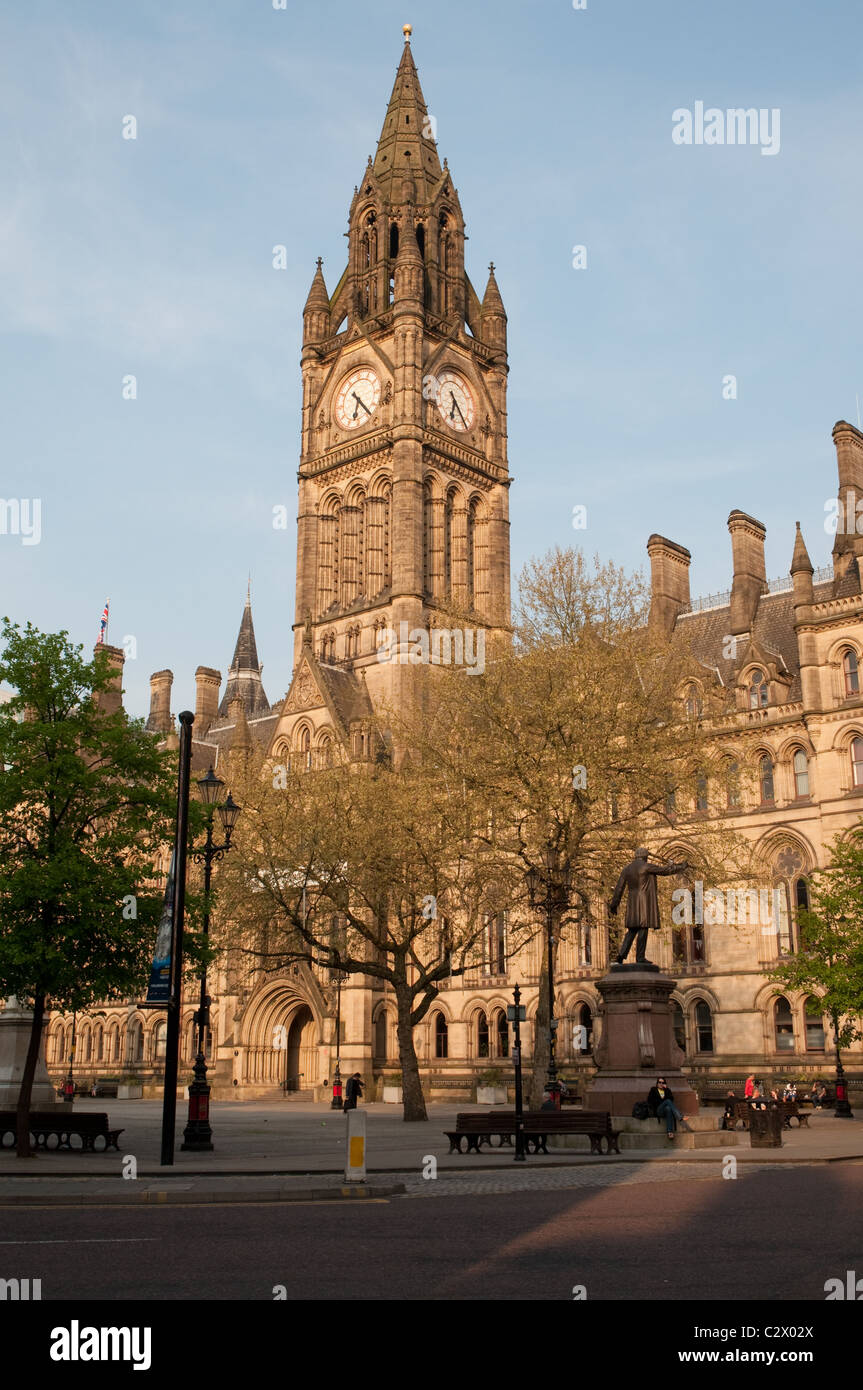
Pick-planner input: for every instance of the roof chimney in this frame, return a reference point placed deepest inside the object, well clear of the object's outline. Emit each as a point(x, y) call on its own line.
point(207, 684)
point(750, 575)
point(160, 719)
point(849, 460)
point(669, 581)
point(111, 699)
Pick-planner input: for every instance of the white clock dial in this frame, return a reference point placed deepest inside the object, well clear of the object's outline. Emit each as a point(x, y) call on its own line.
point(455, 401)
point(357, 398)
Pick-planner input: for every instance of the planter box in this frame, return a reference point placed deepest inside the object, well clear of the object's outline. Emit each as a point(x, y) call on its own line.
point(393, 1095)
point(491, 1095)
point(130, 1090)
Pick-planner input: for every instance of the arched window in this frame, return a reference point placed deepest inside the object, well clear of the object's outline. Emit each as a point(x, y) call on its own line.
point(801, 894)
point(160, 1039)
point(305, 748)
point(583, 1041)
point(783, 1025)
point(801, 774)
point(765, 776)
point(678, 1024)
point(328, 556)
point(325, 752)
point(382, 1038)
point(494, 945)
point(693, 705)
point(815, 1039)
point(99, 1043)
point(703, 1027)
point(86, 1044)
point(857, 762)
point(501, 1033)
point(441, 1035)
point(701, 793)
point(482, 1039)
point(851, 674)
point(732, 784)
point(757, 690)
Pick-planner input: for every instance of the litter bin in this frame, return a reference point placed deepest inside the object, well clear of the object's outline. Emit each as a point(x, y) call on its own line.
point(765, 1127)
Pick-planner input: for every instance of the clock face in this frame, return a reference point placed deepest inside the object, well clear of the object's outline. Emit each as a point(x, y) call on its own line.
point(357, 398)
point(455, 401)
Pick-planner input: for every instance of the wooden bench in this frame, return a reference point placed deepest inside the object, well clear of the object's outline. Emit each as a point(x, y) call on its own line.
point(62, 1127)
point(537, 1125)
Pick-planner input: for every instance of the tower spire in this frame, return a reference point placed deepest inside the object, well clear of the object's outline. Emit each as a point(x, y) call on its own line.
point(244, 676)
point(406, 148)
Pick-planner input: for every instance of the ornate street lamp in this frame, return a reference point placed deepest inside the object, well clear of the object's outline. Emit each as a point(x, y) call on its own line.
point(198, 1134)
point(339, 976)
point(550, 890)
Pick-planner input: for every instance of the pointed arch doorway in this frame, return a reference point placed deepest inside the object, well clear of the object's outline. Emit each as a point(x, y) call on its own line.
point(301, 1073)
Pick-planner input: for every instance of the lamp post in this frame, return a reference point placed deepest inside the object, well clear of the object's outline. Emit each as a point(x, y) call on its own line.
point(515, 1013)
point(69, 1083)
point(198, 1134)
point(843, 1106)
point(339, 976)
point(550, 890)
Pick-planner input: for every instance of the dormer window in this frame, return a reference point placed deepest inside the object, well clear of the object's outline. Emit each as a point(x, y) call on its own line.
point(851, 673)
point(693, 702)
point(758, 690)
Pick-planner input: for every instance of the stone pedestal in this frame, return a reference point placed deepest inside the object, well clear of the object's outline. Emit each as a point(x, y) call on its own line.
point(637, 1043)
point(15, 1025)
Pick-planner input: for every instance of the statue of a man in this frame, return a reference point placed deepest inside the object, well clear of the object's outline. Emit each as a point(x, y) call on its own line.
point(642, 906)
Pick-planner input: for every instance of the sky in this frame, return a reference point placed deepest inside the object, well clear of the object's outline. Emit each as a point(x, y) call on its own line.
point(152, 258)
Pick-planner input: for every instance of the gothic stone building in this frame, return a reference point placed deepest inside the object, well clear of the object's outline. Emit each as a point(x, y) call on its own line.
point(403, 500)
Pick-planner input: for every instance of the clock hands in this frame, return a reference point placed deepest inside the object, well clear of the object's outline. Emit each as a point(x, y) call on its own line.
point(456, 407)
point(359, 403)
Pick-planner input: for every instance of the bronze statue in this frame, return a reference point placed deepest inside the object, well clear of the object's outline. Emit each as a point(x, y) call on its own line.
point(642, 906)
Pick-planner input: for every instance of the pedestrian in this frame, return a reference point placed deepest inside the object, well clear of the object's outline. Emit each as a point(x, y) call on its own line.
point(660, 1102)
point(749, 1087)
point(819, 1095)
point(353, 1091)
point(729, 1118)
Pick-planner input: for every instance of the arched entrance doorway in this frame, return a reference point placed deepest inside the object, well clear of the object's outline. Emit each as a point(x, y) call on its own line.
point(302, 1060)
point(281, 1038)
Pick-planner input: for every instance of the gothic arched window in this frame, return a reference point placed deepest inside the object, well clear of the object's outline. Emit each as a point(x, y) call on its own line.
point(765, 775)
point(732, 784)
point(801, 774)
point(783, 1025)
point(757, 690)
point(328, 555)
point(482, 1036)
point(851, 673)
point(857, 762)
point(703, 1027)
point(441, 1035)
point(501, 1033)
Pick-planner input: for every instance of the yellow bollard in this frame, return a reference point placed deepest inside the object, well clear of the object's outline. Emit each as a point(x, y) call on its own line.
point(355, 1156)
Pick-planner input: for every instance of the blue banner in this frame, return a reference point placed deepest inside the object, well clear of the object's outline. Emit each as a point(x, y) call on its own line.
point(159, 991)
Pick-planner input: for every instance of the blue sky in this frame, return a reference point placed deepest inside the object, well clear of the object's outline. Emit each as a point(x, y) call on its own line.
point(153, 257)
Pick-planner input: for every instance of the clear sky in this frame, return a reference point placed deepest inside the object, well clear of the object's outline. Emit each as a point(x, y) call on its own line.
point(153, 258)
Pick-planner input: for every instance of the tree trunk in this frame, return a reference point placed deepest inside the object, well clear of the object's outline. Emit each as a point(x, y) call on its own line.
point(539, 1070)
point(23, 1148)
point(413, 1100)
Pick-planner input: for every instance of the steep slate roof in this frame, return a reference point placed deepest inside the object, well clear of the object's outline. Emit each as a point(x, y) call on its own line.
point(772, 632)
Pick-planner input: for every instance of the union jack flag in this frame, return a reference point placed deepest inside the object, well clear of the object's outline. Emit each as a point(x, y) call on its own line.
point(103, 627)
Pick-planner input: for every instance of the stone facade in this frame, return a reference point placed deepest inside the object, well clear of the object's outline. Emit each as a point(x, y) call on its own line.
point(403, 500)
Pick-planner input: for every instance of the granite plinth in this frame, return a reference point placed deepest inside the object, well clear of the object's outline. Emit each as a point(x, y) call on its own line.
point(637, 1044)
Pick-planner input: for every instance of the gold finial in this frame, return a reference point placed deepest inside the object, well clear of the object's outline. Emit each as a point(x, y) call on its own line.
point(407, 30)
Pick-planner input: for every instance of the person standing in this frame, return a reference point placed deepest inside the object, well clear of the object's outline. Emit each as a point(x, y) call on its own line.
point(353, 1091)
point(749, 1087)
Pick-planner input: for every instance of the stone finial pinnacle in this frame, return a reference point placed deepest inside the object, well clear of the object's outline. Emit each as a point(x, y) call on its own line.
point(407, 30)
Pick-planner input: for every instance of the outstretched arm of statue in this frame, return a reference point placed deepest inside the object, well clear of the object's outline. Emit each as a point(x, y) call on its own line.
point(614, 900)
point(668, 868)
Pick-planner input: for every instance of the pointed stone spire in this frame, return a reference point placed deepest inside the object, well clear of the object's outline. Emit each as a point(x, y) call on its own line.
point(493, 313)
point(316, 314)
point(406, 148)
point(318, 297)
point(800, 559)
point(244, 676)
point(801, 572)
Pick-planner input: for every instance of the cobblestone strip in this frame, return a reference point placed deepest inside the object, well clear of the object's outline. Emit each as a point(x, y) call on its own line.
point(550, 1179)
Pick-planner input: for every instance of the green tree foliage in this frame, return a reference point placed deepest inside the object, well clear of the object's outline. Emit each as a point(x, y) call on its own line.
point(86, 800)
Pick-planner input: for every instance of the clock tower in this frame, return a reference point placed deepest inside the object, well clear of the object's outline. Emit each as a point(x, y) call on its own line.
point(403, 477)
